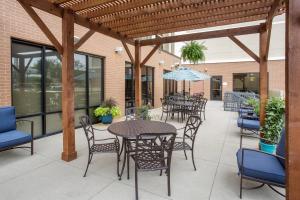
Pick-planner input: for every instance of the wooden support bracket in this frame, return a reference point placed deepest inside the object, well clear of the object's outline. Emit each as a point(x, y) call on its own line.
point(83, 39)
point(34, 16)
point(150, 54)
point(245, 48)
point(127, 51)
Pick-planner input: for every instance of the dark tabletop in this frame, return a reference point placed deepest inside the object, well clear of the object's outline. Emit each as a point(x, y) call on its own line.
point(130, 129)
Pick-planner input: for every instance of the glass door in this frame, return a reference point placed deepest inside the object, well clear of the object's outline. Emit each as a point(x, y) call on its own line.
point(216, 88)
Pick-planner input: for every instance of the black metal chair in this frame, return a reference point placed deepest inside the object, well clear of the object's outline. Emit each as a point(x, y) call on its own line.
point(107, 145)
point(153, 152)
point(189, 135)
point(203, 107)
point(168, 108)
point(131, 114)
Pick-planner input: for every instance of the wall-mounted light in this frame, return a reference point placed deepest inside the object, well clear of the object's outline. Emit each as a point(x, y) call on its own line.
point(205, 69)
point(76, 39)
point(224, 83)
point(162, 62)
point(118, 50)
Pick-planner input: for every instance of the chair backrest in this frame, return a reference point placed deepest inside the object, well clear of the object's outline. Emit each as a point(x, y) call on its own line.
point(7, 119)
point(86, 124)
point(131, 114)
point(191, 127)
point(280, 151)
point(148, 146)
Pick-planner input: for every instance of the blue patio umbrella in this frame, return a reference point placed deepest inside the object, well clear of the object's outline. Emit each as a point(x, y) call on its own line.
point(186, 74)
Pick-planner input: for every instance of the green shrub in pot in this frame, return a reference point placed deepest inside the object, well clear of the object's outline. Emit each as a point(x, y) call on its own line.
point(107, 111)
point(274, 123)
point(253, 102)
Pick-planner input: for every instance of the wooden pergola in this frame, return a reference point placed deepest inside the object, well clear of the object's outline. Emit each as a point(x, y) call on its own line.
point(131, 20)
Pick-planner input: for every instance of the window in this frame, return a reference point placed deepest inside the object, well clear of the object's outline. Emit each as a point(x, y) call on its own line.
point(169, 86)
point(147, 85)
point(37, 85)
point(246, 82)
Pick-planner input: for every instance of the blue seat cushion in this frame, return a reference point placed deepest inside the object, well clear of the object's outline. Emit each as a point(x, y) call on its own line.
point(248, 124)
point(261, 166)
point(13, 138)
point(7, 119)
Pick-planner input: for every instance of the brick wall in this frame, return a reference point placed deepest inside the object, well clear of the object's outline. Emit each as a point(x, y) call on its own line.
point(15, 23)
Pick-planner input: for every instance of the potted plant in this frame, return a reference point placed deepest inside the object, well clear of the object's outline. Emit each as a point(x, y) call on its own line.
point(254, 103)
point(107, 111)
point(274, 123)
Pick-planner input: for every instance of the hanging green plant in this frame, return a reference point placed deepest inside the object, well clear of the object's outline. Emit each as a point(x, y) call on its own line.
point(193, 52)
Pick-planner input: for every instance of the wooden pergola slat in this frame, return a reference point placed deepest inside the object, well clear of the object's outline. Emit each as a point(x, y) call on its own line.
point(203, 35)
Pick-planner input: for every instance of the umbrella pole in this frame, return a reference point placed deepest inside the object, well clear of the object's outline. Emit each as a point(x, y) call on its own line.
point(190, 88)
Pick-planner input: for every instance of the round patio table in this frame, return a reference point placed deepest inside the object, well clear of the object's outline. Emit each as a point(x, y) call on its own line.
point(128, 130)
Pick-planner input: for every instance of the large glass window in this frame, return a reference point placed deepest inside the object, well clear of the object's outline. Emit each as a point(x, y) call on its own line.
point(37, 85)
point(170, 86)
point(129, 85)
point(147, 85)
point(95, 80)
point(246, 82)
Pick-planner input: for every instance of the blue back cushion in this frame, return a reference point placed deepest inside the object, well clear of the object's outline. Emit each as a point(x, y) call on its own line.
point(281, 148)
point(7, 119)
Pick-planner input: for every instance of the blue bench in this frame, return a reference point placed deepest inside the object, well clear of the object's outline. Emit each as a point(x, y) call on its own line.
point(10, 137)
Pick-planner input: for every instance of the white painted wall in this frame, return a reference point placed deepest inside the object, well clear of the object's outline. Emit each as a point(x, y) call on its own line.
point(224, 50)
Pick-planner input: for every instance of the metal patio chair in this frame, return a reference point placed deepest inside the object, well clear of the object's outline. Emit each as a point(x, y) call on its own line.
point(187, 142)
point(153, 152)
point(107, 145)
point(264, 168)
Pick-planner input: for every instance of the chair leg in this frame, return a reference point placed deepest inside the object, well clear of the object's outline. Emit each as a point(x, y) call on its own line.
point(204, 114)
point(185, 154)
point(241, 187)
point(169, 181)
point(162, 114)
point(88, 163)
point(128, 158)
point(136, 184)
point(167, 117)
point(193, 159)
point(118, 162)
point(31, 147)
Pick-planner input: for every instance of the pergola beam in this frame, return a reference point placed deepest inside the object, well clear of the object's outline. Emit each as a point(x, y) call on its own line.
point(150, 54)
point(68, 109)
point(138, 74)
point(128, 51)
point(245, 48)
point(292, 81)
point(52, 8)
point(204, 35)
point(269, 22)
point(263, 74)
point(83, 39)
point(39, 22)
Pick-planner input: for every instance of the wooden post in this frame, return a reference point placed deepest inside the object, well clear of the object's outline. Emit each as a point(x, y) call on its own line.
point(138, 74)
point(292, 79)
point(69, 153)
point(263, 74)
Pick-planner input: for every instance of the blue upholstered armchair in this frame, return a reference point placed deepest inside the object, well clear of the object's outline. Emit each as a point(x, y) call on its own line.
point(248, 121)
point(267, 169)
point(10, 137)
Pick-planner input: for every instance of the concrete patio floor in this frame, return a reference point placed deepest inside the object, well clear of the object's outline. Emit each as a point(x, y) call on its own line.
point(44, 176)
